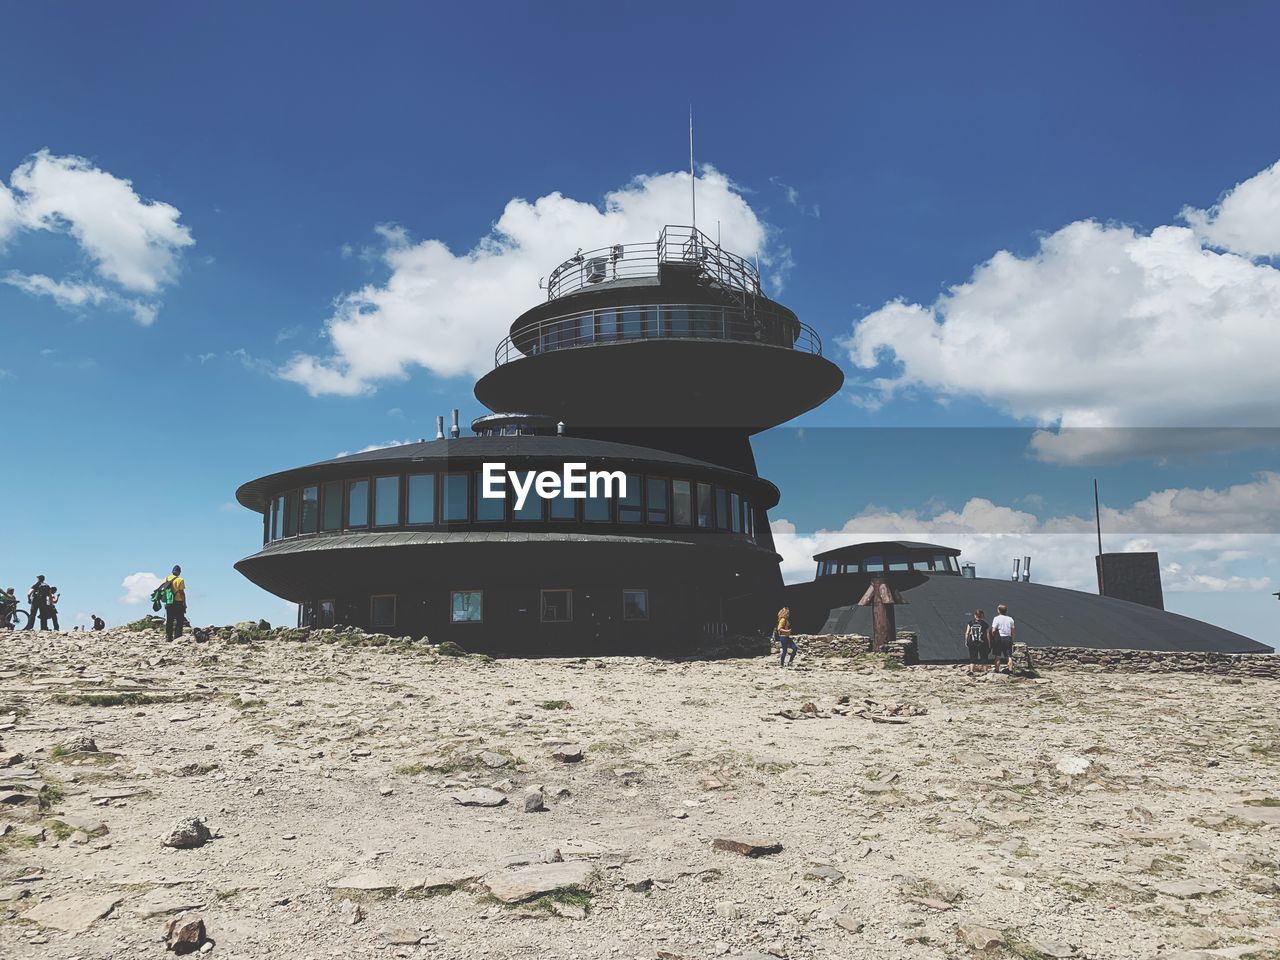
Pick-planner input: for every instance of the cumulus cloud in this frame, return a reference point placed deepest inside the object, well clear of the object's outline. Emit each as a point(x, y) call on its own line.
point(1208, 539)
point(1247, 218)
point(133, 245)
point(374, 446)
point(138, 587)
point(446, 311)
point(1102, 326)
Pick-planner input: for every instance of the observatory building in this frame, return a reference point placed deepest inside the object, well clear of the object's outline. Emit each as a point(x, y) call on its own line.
point(655, 362)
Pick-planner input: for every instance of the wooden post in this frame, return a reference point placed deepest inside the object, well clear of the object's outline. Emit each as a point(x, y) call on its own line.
point(882, 598)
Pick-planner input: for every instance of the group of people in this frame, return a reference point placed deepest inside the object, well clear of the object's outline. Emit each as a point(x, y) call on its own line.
point(994, 640)
point(43, 599)
point(983, 640)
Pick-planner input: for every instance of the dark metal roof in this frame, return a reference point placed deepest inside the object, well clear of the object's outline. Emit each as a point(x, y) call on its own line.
point(857, 551)
point(938, 607)
point(255, 494)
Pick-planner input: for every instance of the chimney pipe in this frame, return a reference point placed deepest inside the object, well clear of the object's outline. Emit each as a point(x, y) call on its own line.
point(560, 429)
point(454, 432)
point(1026, 569)
point(440, 428)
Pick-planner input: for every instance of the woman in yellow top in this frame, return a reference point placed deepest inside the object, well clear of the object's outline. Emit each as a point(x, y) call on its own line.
point(783, 633)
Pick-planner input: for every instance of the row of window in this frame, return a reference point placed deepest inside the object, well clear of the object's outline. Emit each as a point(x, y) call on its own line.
point(940, 563)
point(431, 499)
point(647, 321)
point(467, 606)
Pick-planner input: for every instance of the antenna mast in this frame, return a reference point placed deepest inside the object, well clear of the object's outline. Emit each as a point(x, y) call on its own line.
point(1097, 514)
point(693, 179)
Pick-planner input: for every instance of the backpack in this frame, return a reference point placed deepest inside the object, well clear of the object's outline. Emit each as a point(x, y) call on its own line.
point(162, 595)
point(975, 636)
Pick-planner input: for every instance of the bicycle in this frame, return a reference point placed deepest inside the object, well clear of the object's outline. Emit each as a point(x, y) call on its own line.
point(16, 616)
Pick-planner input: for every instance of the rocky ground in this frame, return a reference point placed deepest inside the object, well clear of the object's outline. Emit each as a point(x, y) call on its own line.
point(381, 800)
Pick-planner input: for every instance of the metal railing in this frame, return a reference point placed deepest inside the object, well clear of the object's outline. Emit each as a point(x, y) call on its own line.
point(665, 321)
point(675, 244)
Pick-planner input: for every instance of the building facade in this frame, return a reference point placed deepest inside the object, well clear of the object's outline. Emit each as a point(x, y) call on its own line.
point(654, 363)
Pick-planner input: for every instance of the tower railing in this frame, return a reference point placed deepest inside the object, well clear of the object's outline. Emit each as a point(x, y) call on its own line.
point(675, 244)
point(664, 321)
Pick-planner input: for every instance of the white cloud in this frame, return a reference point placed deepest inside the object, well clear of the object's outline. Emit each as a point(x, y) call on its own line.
point(447, 312)
point(138, 587)
point(375, 446)
point(1103, 326)
point(1208, 540)
point(133, 244)
point(1247, 218)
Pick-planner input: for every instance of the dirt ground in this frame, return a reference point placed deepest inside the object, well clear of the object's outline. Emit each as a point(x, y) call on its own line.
point(1074, 814)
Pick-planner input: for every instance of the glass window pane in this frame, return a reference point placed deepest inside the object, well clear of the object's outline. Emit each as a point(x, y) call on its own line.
point(489, 509)
point(386, 501)
point(705, 519)
point(467, 606)
point(327, 617)
point(562, 508)
point(596, 509)
point(532, 509)
point(635, 604)
point(722, 508)
point(277, 518)
point(454, 505)
point(656, 500)
point(382, 611)
point(677, 320)
point(748, 520)
point(310, 510)
point(291, 514)
point(331, 506)
point(633, 323)
point(422, 498)
point(629, 504)
point(735, 512)
point(681, 505)
point(557, 606)
point(358, 503)
point(607, 324)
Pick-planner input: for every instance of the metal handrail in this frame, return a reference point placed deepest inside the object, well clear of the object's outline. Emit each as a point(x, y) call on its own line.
point(660, 321)
point(675, 244)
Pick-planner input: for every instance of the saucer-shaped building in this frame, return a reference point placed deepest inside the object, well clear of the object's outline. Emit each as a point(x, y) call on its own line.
point(657, 361)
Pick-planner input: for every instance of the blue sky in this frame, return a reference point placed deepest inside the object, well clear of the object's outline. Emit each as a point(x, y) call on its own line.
point(869, 154)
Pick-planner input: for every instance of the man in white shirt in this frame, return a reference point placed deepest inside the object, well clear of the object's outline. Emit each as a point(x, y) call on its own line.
point(1002, 633)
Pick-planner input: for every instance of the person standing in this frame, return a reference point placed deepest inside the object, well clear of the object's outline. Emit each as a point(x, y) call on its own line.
point(783, 633)
point(1003, 631)
point(53, 606)
point(38, 597)
point(977, 635)
point(174, 591)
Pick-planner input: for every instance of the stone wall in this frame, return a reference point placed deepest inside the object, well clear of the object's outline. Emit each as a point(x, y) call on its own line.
point(903, 649)
point(1152, 661)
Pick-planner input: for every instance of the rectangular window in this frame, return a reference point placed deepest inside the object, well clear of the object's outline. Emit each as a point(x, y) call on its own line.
point(328, 613)
point(331, 506)
point(633, 320)
point(266, 524)
point(705, 520)
point(454, 502)
point(310, 510)
point(596, 509)
point(557, 606)
point(748, 520)
point(306, 614)
point(422, 498)
point(635, 604)
point(466, 606)
point(681, 505)
point(291, 514)
point(656, 500)
point(488, 509)
point(532, 509)
point(677, 320)
point(277, 518)
point(562, 508)
point(382, 610)
point(722, 508)
point(629, 506)
point(358, 503)
point(386, 502)
point(607, 324)
point(735, 512)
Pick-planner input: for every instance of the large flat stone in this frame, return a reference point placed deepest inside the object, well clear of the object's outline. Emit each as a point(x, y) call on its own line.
point(158, 903)
point(365, 883)
point(73, 913)
point(526, 883)
point(1256, 815)
point(479, 797)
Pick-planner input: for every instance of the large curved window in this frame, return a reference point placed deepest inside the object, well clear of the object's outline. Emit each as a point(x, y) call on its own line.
point(455, 498)
point(358, 503)
point(422, 498)
point(386, 501)
point(310, 521)
point(331, 506)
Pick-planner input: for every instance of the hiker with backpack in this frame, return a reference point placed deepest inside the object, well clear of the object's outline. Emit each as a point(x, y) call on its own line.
point(54, 598)
point(172, 595)
point(977, 634)
point(38, 597)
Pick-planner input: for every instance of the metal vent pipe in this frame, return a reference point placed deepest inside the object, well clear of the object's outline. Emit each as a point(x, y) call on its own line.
point(454, 431)
point(440, 427)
